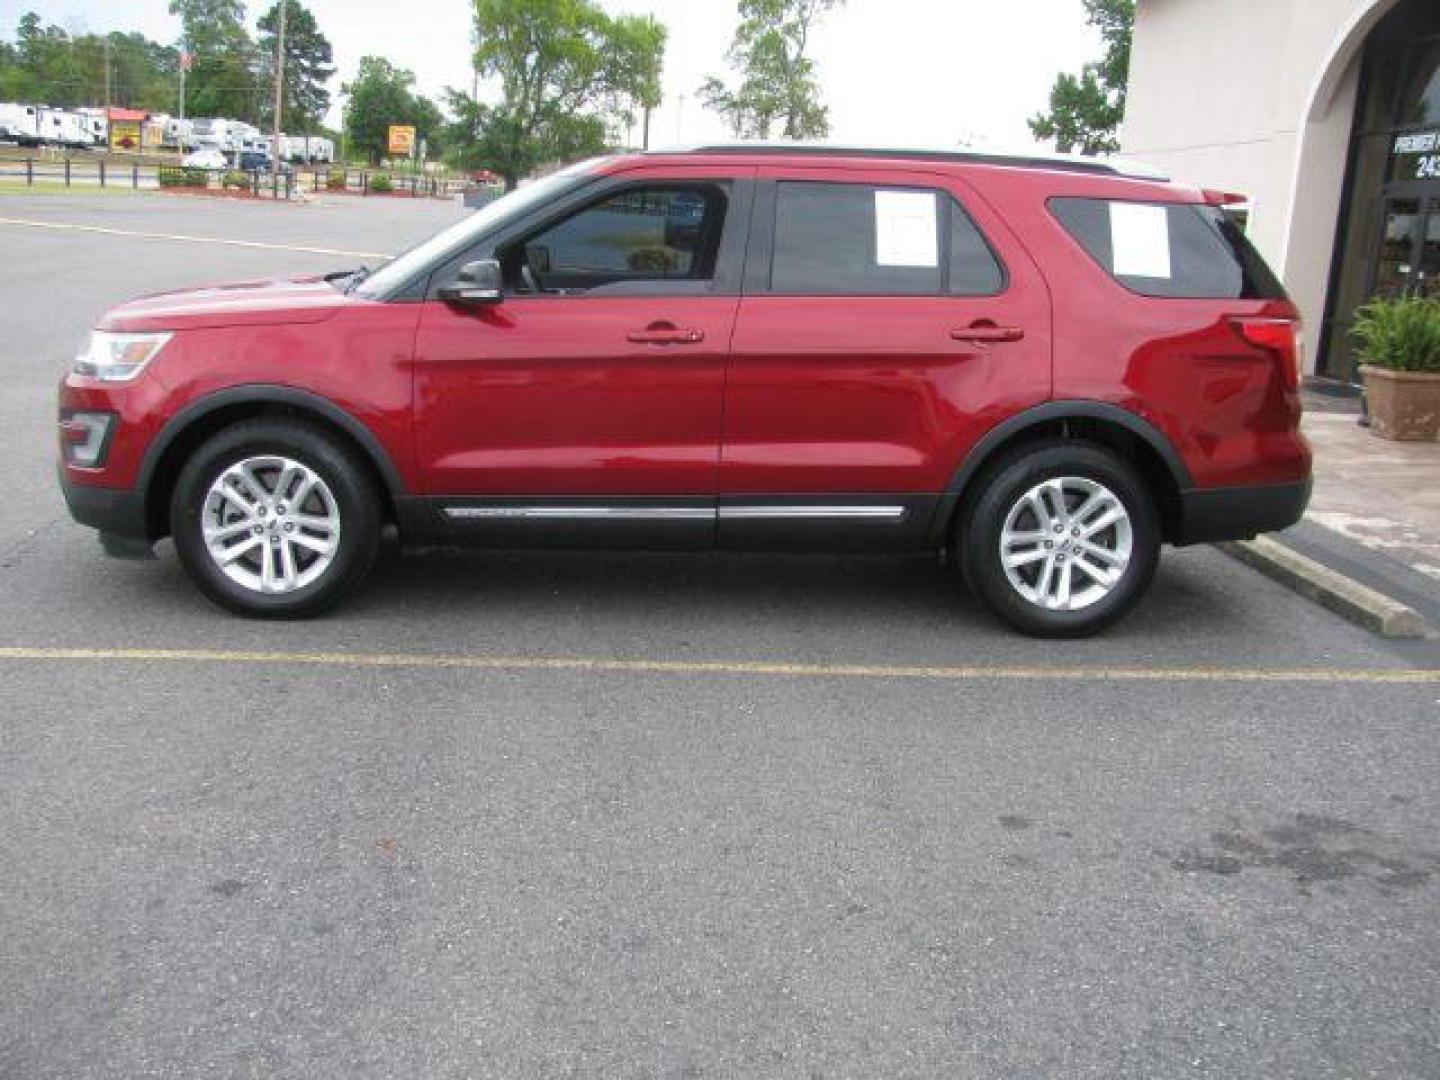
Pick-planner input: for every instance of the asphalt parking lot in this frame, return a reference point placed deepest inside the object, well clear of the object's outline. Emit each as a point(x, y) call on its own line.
point(614, 815)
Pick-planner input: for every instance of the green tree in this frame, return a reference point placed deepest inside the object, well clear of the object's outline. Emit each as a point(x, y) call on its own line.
point(566, 71)
point(1086, 109)
point(54, 73)
point(308, 67)
point(46, 64)
point(223, 78)
point(381, 95)
point(144, 74)
point(777, 78)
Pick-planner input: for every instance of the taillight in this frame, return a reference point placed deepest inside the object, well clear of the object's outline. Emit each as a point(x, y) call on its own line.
point(1280, 337)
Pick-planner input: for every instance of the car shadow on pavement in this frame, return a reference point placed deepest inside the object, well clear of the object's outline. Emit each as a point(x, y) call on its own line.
point(732, 587)
point(547, 600)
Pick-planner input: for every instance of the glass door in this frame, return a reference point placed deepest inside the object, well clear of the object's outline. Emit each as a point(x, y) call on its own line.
point(1397, 266)
point(1427, 265)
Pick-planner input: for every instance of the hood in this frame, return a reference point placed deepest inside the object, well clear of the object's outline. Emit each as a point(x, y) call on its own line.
point(245, 303)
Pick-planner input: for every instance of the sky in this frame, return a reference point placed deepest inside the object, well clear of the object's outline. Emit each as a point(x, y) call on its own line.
point(897, 72)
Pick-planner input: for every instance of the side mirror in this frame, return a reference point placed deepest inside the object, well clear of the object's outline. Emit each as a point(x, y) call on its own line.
point(477, 283)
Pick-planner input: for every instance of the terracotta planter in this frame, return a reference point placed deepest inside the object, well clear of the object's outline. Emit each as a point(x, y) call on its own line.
point(1404, 405)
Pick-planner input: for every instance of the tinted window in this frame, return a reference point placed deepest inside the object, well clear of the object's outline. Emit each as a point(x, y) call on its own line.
point(1169, 250)
point(826, 243)
point(640, 234)
point(1420, 97)
point(859, 240)
point(974, 270)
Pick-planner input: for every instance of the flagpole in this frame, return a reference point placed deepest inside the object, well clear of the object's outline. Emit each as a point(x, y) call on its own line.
point(279, 85)
point(184, 67)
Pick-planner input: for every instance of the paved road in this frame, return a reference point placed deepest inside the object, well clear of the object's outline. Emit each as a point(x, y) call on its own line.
point(650, 815)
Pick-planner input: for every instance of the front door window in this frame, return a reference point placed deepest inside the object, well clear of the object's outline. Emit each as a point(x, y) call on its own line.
point(630, 240)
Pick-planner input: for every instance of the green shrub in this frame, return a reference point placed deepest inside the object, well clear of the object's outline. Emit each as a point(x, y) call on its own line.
point(183, 176)
point(236, 179)
point(335, 180)
point(1400, 333)
point(381, 183)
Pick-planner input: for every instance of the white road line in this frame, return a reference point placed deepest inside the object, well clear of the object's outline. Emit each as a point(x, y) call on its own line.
point(187, 239)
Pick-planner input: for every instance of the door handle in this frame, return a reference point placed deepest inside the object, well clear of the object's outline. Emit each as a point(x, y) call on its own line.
point(664, 334)
point(987, 332)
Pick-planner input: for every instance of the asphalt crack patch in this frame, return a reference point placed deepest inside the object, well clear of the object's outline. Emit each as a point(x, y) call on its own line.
point(1313, 849)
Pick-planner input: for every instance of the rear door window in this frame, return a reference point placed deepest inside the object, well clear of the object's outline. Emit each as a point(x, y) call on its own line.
point(866, 240)
point(1176, 250)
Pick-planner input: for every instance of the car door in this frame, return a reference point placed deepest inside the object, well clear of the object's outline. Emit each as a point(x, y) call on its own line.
point(588, 401)
point(889, 318)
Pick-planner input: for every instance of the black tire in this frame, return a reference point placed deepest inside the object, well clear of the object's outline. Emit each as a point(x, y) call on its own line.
point(978, 535)
point(348, 480)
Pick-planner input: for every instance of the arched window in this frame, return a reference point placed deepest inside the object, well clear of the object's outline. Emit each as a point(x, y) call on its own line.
point(1420, 92)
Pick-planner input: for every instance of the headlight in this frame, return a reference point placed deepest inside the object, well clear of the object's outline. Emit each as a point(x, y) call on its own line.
point(118, 357)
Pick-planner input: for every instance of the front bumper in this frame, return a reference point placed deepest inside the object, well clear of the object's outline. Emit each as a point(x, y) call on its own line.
point(1211, 515)
point(119, 514)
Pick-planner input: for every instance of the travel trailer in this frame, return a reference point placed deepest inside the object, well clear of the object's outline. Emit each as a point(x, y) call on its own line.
point(20, 123)
point(307, 149)
point(94, 125)
point(227, 136)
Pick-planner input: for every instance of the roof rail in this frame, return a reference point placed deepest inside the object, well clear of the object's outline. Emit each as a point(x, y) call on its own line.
point(1115, 166)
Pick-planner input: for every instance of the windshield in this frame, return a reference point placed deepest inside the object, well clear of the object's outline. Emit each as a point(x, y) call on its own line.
point(402, 268)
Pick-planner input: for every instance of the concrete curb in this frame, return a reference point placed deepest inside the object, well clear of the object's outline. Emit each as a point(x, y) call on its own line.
point(1346, 597)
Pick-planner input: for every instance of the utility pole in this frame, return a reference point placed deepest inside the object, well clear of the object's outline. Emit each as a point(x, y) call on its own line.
point(108, 101)
point(279, 83)
point(184, 67)
point(645, 136)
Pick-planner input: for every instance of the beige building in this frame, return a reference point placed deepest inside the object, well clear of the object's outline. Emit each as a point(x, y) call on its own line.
point(1326, 114)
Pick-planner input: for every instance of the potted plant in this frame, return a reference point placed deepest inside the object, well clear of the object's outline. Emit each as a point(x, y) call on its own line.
point(1398, 340)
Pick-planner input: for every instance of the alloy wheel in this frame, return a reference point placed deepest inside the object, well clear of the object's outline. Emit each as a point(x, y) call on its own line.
point(271, 524)
point(1066, 543)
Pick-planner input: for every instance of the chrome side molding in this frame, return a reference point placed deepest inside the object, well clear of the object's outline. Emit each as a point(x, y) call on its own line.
point(582, 513)
point(745, 512)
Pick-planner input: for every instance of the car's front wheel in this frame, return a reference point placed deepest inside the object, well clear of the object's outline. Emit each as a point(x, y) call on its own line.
point(274, 518)
point(1061, 539)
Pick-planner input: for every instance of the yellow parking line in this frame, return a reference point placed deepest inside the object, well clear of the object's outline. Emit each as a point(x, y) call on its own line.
point(188, 239)
point(1403, 676)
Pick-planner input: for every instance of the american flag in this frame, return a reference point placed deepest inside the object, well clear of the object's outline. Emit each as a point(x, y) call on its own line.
point(186, 59)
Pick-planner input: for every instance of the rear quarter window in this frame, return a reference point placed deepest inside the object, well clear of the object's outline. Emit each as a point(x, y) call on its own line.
point(1174, 250)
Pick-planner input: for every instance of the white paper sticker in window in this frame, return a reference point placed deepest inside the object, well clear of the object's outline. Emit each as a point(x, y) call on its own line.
point(1140, 240)
point(905, 232)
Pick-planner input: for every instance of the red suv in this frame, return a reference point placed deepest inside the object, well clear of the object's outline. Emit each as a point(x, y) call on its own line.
point(1048, 366)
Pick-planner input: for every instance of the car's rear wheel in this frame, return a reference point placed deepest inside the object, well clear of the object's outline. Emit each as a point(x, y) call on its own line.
point(1060, 539)
point(274, 518)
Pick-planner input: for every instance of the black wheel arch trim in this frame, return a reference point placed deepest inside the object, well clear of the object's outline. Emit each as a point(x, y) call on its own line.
point(1048, 412)
point(270, 394)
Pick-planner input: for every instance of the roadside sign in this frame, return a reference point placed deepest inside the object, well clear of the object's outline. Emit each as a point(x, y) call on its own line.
point(402, 140)
point(125, 135)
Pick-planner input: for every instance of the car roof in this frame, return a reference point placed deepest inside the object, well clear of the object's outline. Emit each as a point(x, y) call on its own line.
point(1109, 166)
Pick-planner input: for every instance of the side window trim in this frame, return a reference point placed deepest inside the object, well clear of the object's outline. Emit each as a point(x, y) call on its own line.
point(760, 256)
